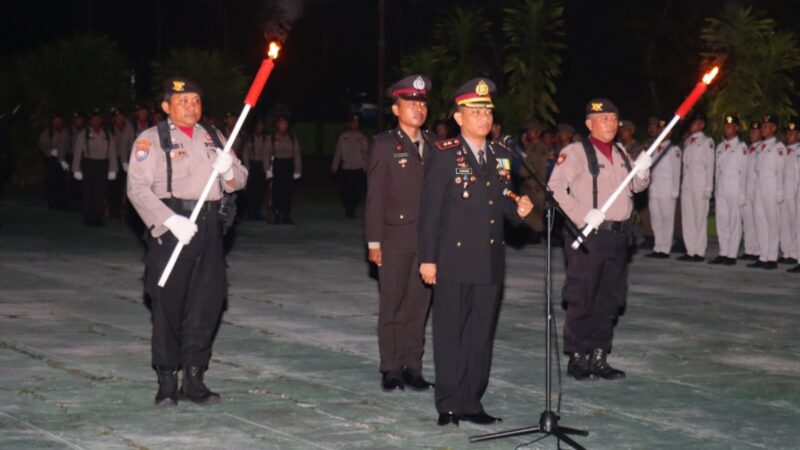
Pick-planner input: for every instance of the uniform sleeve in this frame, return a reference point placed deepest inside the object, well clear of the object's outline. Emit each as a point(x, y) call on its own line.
point(675, 163)
point(298, 160)
point(561, 183)
point(80, 146)
point(780, 150)
point(239, 176)
point(141, 176)
point(709, 168)
point(434, 185)
point(337, 155)
point(741, 158)
point(376, 194)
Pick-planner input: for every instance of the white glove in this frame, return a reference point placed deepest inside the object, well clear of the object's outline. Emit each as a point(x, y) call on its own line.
point(64, 166)
point(183, 228)
point(642, 164)
point(224, 164)
point(54, 153)
point(125, 167)
point(112, 176)
point(594, 218)
point(296, 176)
point(269, 174)
point(78, 175)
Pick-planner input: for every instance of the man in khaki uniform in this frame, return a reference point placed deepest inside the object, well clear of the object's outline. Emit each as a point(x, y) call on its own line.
point(596, 284)
point(536, 156)
point(54, 144)
point(285, 165)
point(351, 155)
point(169, 167)
point(94, 164)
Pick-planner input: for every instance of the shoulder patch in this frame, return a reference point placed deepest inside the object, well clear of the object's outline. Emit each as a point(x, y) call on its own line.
point(141, 154)
point(446, 144)
point(561, 158)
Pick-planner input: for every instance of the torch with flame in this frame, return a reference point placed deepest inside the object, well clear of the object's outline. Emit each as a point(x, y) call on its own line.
point(680, 113)
point(250, 101)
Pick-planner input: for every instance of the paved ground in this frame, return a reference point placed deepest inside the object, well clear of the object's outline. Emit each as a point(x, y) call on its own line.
point(710, 352)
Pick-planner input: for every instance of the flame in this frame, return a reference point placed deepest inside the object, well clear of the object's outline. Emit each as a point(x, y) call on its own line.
point(709, 76)
point(274, 48)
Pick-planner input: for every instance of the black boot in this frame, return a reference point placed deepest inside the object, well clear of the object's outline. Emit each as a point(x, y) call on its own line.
point(193, 388)
point(167, 394)
point(601, 369)
point(578, 366)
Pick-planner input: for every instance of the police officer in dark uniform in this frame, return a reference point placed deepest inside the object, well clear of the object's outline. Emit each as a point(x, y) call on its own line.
point(596, 285)
point(170, 165)
point(465, 198)
point(394, 181)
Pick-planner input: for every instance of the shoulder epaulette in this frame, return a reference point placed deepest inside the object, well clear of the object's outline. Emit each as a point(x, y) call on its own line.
point(501, 145)
point(446, 144)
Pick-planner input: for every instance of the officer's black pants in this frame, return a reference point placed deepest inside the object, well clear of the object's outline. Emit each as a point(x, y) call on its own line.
point(94, 189)
point(595, 289)
point(256, 187)
point(187, 310)
point(116, 194)
point(282, 185)
point(352, 185)
point(55, 184)
point(464, 320)
point(404, 303)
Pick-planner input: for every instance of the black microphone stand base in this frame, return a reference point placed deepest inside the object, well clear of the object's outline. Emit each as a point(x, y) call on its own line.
point(548, 425)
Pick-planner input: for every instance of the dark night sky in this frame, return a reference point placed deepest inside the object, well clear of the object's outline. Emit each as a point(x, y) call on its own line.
point(332, 50)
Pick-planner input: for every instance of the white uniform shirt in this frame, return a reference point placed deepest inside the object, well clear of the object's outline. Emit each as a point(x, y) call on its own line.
point(731, 174)
point(665, 176)
point(698, 164)
point(769, 168)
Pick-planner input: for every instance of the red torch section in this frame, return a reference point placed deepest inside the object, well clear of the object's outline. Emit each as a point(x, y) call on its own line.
point(697, 92)
point(263, 74)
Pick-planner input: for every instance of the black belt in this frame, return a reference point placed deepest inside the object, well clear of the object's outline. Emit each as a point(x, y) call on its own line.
point(622, 226)
point(179, 204)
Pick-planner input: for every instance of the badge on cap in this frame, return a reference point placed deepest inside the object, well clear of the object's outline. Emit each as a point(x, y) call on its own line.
point(419, 84)
point(178, 86)
point(597, 106)
point(482, 88)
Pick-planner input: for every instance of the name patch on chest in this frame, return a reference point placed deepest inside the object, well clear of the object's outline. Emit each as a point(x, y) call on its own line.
point(463, 171)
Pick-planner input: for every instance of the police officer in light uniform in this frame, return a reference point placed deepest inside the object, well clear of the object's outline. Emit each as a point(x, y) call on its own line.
point(462, 252)
point(349, 162)
point(54, 144)
point(164, 185)
point(769, 193)
point(123, 135)
point(665, 185)
point(255, 152)
point(596, 284)
point(94, 164)
point(751, 250)
point(788, 210)
point(730, 191)
point(696, 189)
point(793, 150)
point(284, 163)
point(396, 166)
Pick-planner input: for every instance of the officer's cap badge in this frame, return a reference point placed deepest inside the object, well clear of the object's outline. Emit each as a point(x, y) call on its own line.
point(419, 84)
point(482, 88)
point(597, 106)
point(178, 86)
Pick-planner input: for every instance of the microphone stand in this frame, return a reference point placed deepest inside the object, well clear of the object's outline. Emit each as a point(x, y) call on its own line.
point(548, 424)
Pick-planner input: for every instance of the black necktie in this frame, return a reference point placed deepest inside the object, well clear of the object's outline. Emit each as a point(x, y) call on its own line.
point(481, 158)
point(419, 147)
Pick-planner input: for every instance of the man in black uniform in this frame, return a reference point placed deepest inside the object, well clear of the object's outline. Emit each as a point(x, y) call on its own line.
point(170, 165)
point(395, 171)
point(462, 253)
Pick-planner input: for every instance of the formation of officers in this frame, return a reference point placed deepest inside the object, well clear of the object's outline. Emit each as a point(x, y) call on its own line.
point(86, 163)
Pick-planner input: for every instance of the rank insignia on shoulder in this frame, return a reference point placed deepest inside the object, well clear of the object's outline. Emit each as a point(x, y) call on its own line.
point(446, 144)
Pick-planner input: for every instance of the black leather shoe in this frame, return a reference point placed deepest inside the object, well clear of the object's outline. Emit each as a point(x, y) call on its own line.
point(392, 381)
point(194, 389)
point(697, 258)
point(770, 265)
point(167, 394)
point(795, 269)
point(685, 257)
point(657, 255)
point(717, 260)
point(601, 369)
point(448, 418)
point(578, 366)
point(748, 257)
point(729, 262)
point(481, 418)
point(756, 265)
point(785, 260)
point(413, 378)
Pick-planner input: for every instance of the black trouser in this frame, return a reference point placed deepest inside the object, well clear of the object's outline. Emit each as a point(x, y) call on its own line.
point(595, 290)
point(256, 188)
point(352, 185)
point(282, 186)
point(55, 184)
point(404, 303)
point(464, 320)
point(116, 194)
point(95, 188)
point(187, 310)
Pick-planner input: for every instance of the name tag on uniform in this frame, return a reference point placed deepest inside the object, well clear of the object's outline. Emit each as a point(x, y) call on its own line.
point(464, 171)
point(401, 155)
